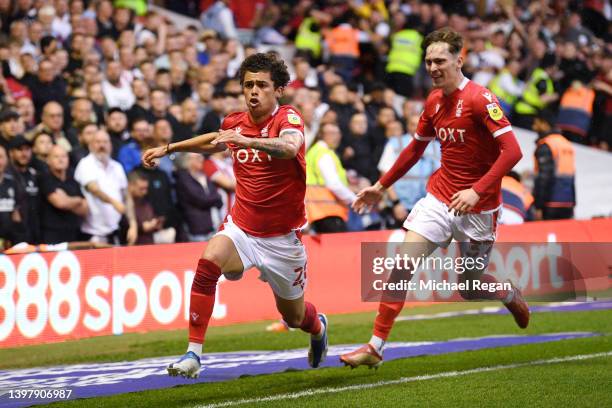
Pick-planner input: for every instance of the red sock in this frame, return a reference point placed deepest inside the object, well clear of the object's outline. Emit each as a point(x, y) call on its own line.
point(387, 312)
point(485, 294)
point(202, 299)
point(311, 323)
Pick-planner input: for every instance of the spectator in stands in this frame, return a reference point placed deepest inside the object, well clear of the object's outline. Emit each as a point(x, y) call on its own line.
point(220, 170)
point(538, 95)
point(85, 135)
point(197, 196)
point(328, 196)
point(116, 126)
point(357, 147)
point(554, 190)
point(9, 127)
point(160, 102)
point(507, 87)
point(26, 179)
point(81, 113)
point(117, 91)
point(180, 89)
point(404, 194)
point(189, 117)
point(105, 187)
point(47, 86)
point(339, 103)
point(602, 108)
point(41, 146)
point(142, 106)
point(212, 120)
point(63, 206)
point(25, 108)
point(218, 17)
point(52, 124)
point(147, 222)
point(11, 225)
point(405, 57)
point(517, 201)
point(142, 138)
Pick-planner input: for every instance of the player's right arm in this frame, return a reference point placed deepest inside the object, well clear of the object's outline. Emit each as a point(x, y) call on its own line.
point(198, 144)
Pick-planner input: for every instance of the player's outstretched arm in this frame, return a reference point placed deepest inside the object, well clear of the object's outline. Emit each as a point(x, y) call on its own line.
point(198, 144)
point(286, 146)
point(368, 198)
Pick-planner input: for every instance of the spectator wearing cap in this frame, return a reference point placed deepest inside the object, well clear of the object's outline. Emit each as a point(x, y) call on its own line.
point(9, 127)
point(20, 155)
point(63, 205)
point(52, 124)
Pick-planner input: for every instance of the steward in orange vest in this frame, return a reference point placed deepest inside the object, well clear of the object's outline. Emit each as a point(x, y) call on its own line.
point(554, 189)
point(517, 200)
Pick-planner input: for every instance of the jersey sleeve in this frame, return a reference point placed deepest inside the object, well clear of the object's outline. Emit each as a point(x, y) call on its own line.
point(425, 131)
point(290, 119)
point(489, 113)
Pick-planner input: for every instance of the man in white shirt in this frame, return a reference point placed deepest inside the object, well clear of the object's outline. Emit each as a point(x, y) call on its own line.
point(117, 92)
point(104, 186)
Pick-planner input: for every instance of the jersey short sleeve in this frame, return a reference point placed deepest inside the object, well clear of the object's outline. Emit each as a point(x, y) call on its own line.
point(486, 108)
point(231, 120)
point(290, 119)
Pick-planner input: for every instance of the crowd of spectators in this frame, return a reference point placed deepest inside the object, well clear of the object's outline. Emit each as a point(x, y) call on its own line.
point(86, 86)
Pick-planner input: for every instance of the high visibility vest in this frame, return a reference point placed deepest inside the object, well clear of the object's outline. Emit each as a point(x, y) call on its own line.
point(515, 196)
point(343, 41)
point(563, 192)
point(531, 102)
point(306, 39)
point(406, 52)
point(320, 201)
point(503, 95)
point(576, 109)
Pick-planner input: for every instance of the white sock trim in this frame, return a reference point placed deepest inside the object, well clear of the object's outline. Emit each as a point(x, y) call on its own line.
point(195, 347)
point(377, 343)
point(509, 297)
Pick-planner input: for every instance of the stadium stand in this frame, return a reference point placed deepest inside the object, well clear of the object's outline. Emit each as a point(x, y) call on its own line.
point(349, 60)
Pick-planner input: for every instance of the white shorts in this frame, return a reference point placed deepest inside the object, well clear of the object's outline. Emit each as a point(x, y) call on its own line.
point(281, 260)
point(431, 219)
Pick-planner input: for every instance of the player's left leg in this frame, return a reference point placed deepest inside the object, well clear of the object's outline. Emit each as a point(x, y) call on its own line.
point(476, 233)
point(303, 315)
point(282, 263)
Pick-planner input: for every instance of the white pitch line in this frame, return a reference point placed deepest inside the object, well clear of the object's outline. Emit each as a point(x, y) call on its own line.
point(403, 380)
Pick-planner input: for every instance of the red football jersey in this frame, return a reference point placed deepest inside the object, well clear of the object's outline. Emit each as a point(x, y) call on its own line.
point(466, 123)
point(269, 191)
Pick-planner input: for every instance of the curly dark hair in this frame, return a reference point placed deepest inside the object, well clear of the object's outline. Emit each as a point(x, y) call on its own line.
point(446, 35)
point(268, 62)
